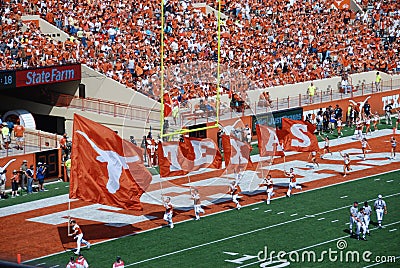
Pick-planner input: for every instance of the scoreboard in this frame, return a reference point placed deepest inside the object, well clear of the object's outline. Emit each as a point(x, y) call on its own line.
point(39, 76)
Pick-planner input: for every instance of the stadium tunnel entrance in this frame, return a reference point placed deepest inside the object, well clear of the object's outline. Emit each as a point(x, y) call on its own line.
point(32, 105)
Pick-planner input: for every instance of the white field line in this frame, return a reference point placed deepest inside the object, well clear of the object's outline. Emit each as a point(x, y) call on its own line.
point(321, 219)
point(393, 230)
point(255, 208)
point(335, 221)
point(316, 245)
point(379, 263)
point(295, 214)
point(230, 253)
point(343, 196)
point(280, 212)
point(389, 181)
point(223, 211)
point(239, 235)
point(268, 210)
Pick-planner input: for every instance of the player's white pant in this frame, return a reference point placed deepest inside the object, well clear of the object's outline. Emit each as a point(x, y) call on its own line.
point(234, 199)
point(197, 210)
point(361, 225)
point(358, 134)
point(379, 215)
point(367, 220)
point(79, 241)
point(293, 185)
point(352, 221)
point(168, 218)
point(270, 193)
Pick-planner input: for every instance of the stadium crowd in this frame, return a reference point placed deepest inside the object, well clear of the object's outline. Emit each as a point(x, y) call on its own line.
point(272, 43)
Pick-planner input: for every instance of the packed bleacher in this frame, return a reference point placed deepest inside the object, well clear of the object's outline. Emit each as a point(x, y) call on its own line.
point(271, 42)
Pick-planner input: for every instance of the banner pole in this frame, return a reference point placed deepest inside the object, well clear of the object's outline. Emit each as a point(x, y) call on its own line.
point(284, 163)
point(69, 216)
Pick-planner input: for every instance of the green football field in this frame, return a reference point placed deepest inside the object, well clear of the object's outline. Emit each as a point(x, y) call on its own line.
point(310, 227)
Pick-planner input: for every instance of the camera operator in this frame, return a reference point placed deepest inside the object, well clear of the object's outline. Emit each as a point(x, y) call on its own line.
point(41, 171)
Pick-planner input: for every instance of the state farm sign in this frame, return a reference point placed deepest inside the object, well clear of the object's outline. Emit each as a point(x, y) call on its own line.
point(48, 75)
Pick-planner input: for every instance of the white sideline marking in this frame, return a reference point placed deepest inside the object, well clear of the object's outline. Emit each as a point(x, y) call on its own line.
point(40, 264)
point(347, 223)
point(379, 263)
point(378, 179)
point(295, 214)
point(310, 216)
point(281, 212)
point(320, 219)
point(389, 181)
point(335, 221)
point(242, 234)
point(268, 210)
point(254, 208)
point(223, 211)
point(66, 186)
point(230, 253)
point(343, 196)
point(37, 204)
point(393, 230)
point(316, 245)
point(55, 266)
point(56, 189)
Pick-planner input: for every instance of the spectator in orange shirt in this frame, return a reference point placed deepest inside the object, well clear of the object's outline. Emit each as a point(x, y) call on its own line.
point(19, 131)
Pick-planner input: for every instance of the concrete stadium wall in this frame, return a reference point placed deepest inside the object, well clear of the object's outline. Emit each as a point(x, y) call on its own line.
point(47, 28)
point(101, 87)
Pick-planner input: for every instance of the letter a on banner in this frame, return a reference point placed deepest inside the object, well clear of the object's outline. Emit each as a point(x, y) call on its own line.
point(268, 142)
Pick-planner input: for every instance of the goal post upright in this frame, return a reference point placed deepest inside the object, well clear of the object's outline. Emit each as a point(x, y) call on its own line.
point(218, 78)
point(162, 70)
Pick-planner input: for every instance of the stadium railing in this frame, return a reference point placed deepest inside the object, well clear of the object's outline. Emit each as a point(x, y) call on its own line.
point(110, 108)
point(34, 141)
point(301, 100)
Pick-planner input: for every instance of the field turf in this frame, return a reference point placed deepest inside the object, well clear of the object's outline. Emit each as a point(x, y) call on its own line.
point(309, 221)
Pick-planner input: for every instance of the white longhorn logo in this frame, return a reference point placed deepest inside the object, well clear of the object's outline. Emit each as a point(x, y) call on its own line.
point(115, 163)
point(2, 174)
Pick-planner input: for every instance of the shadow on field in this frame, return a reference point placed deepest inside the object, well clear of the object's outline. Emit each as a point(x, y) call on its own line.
point(97, 231)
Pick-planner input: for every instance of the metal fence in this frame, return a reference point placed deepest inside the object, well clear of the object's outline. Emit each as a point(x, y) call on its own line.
point(189, 117)
point(110, 108)
point(34, 141)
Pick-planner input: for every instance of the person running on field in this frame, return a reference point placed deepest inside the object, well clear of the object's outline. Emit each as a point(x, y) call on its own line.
point(78, 235)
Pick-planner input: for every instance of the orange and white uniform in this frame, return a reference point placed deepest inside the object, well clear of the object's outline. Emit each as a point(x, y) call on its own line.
point(79, 238)
point(339, 127)
point(270, 189)
point(81, 262)
point(119, 264)
point(234, 190)
point(364, 144)
point(292, 183)
point(197, 204)
point(71, 264)
point(347, 163)
point(169, 211)
point(359, 127)
point(367, 122)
